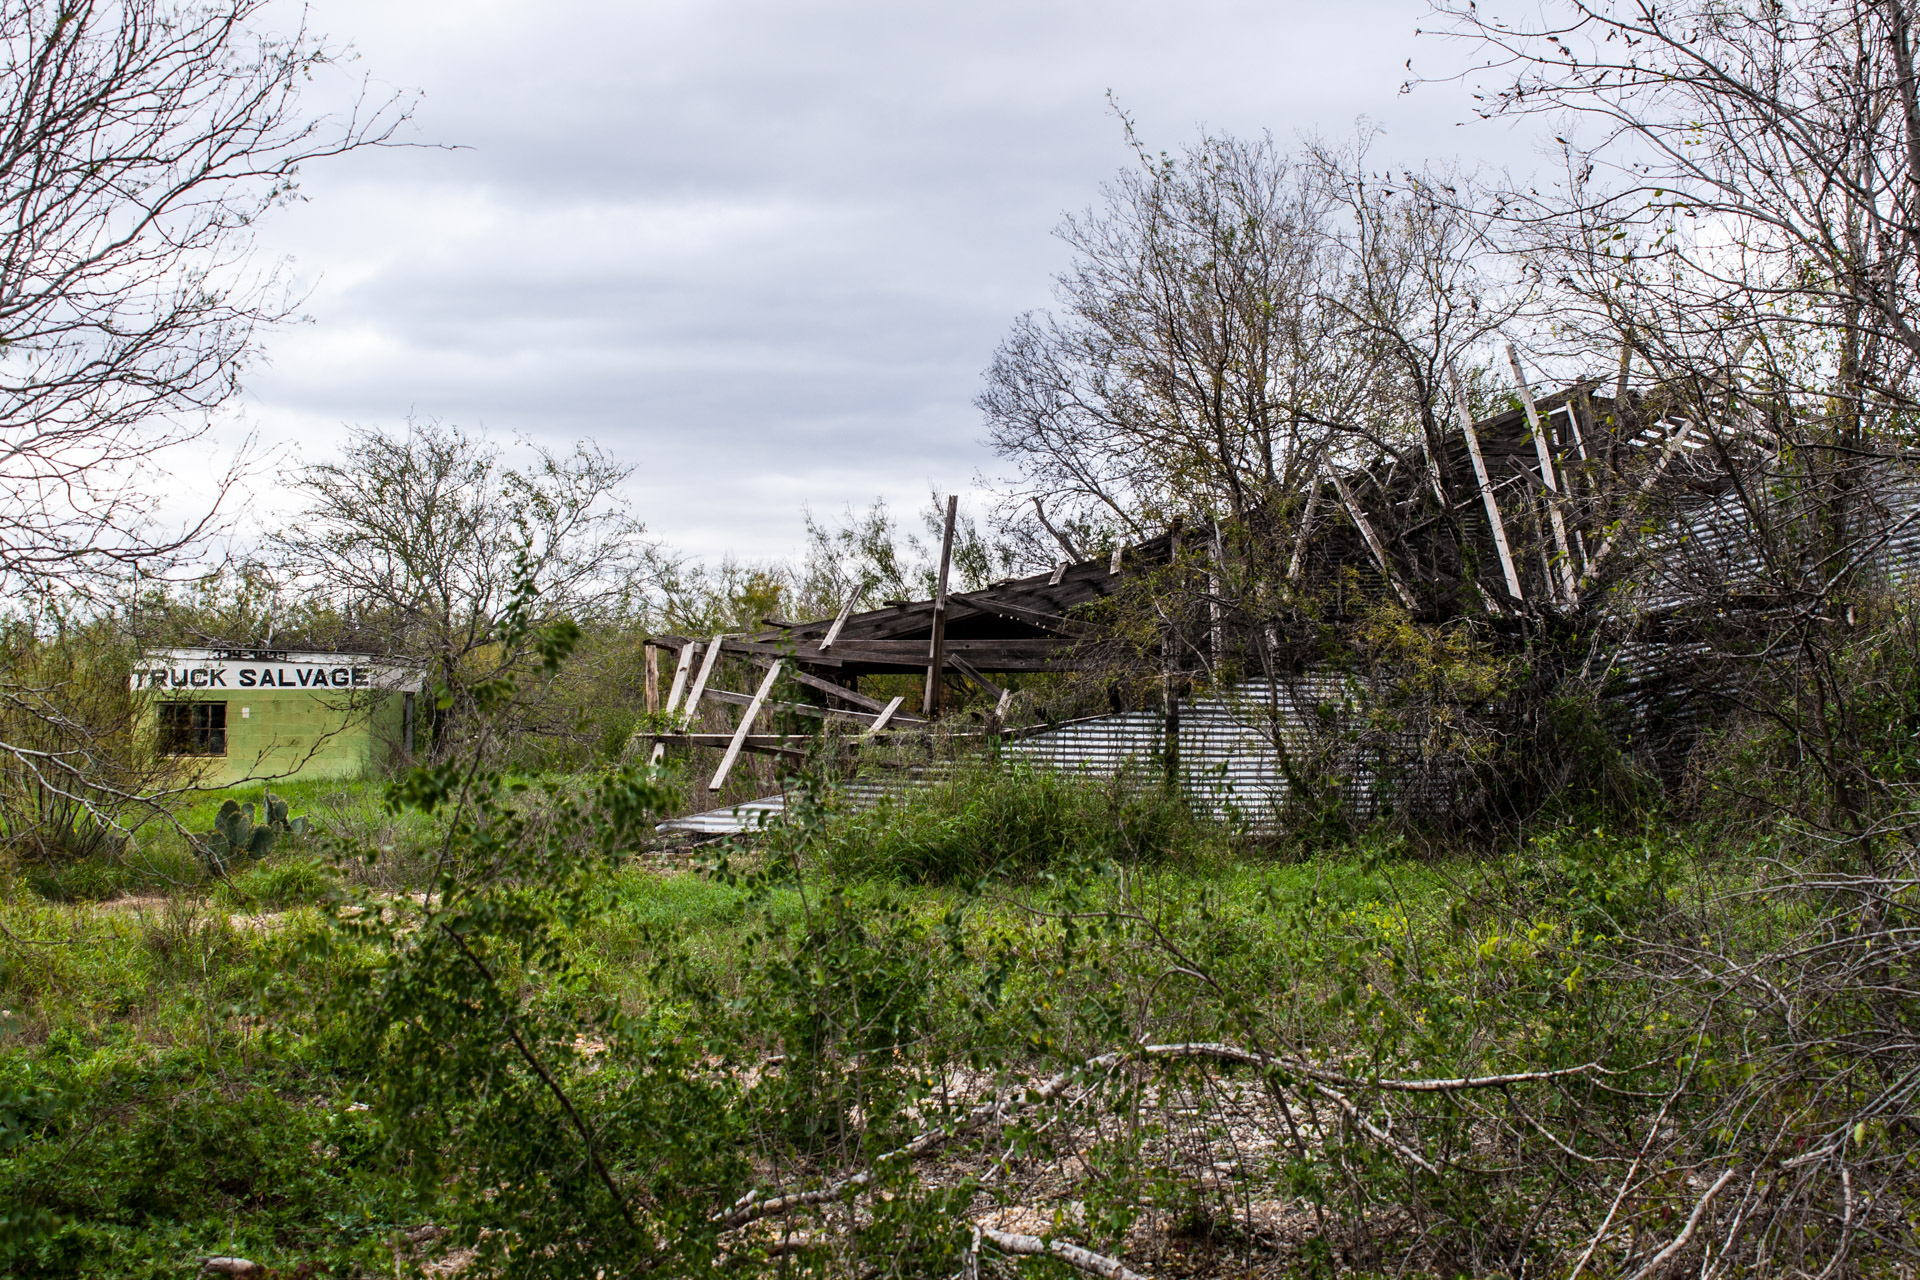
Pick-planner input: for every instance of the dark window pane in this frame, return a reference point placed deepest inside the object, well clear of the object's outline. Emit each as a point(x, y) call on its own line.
point(193, 728)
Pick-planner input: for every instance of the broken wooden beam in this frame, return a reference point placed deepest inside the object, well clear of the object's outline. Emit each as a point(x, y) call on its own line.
point(1374, 545)
point(843, 693)
point(880, 721)
point(1486, 487)
point(1058, 536)
point(800, 708)
point(760, 743)
point(745, 726)
point(673, 694)
point(972, 673)
point(839, 621)
point(1555, 500)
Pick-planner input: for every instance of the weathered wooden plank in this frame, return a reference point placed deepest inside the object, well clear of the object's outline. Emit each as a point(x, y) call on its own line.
point(972, 673)
point(804, 652)
point(673, 695)
point(1360, 522)
point(1554, 497)
point(980, 603)
point(872, 650)
point(651, 652)
point(881, 721)
point(841, 692)
point(1058, 536)
point(714, 648)
point(1486, 488)
point(746, 726)
point(935, 698)
point(762, 743)
point(839, 621)
point(797, 708)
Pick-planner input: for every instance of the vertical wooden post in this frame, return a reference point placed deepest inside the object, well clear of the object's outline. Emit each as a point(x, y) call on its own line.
point(1554, 499)
point(1170, 666)
point(1486, 487)
point(936, 696)
point(653, 678)
point(1216, 586)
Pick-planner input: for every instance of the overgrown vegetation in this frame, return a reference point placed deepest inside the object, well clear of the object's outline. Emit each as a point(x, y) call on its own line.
point(1613, 974)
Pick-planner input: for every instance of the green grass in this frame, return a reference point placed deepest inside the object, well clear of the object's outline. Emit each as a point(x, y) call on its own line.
point(173, 1095)
point(986, 821)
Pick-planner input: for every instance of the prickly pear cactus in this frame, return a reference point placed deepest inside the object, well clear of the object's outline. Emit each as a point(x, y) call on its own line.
point(234, 837)
point(279, 820)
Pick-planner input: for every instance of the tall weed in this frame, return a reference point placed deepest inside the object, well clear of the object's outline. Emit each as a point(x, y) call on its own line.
point(988, 819)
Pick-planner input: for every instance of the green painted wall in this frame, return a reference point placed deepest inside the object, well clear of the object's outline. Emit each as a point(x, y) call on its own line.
point(302, 734)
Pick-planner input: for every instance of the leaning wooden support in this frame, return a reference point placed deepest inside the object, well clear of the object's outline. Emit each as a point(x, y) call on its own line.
point(1299, 560)
point(1000, 696)
point(1555, 499)
point(746, 726)
point(1360, 522)
point(839, 621)
point(673, 694)
point(937, 649)
point(1667, 455)
point(880, 721)
point(1486, 488)
point(706, 674)
point(651, 652)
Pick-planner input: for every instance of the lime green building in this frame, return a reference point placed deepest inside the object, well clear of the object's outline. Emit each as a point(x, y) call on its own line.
point(230, 716)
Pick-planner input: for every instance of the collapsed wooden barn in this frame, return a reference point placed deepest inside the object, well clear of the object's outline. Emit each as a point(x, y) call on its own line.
point(1527, 521)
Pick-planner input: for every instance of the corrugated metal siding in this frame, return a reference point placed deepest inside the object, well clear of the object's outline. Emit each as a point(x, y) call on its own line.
point(1712, 548)
point(1230, 768)
point(859, 795)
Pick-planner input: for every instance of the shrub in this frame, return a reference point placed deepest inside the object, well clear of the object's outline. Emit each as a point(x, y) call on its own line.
point(988, 818)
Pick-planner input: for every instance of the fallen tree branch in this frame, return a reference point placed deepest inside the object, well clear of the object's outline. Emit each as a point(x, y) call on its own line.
point(750, 1208)
point(1073, 1255)
point(1666, 1255)
point(1253, 1058)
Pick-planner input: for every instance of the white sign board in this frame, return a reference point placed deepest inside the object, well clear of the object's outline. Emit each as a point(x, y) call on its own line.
point(327, 671)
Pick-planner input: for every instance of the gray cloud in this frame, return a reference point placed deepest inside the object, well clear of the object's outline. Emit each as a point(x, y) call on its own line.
point(761, 250)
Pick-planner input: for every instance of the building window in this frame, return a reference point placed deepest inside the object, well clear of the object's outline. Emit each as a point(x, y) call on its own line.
point(193, 728)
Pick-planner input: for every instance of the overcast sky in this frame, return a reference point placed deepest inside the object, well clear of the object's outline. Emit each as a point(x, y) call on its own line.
point(762, 251)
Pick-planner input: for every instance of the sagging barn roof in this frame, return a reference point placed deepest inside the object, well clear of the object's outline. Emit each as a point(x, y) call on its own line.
point(1522, 514)
point(1382, 519)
